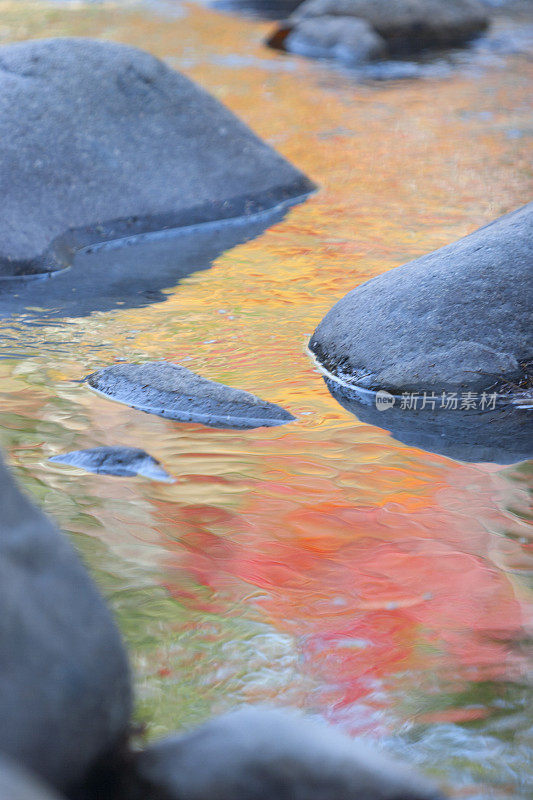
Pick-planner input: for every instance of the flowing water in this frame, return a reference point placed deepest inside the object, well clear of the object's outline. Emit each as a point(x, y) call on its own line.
point(322, 564)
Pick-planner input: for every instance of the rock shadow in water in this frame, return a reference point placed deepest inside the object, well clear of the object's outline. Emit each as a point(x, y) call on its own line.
point(503, 435)
point(129, 273)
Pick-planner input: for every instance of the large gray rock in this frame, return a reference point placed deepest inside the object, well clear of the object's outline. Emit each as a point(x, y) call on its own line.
point(100, 141)
point(64, 679)
point(264, 754)
point(458, 318)
point(406, 26)
point(17, 784)
point(172, 391)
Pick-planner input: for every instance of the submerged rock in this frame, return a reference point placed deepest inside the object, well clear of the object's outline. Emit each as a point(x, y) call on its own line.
point(458, 318)
point(266, 754)
point(64, 678)
point(99, 141)
point(17, 784)
point(170, 390)
point(398, 27)
point(120, 461)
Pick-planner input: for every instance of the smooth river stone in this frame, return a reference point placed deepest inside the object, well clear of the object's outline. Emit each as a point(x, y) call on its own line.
point(172, 391)
point(100, 141)
point(121, 461)
point(65, 693)
point(260, 753)
point(457, 319)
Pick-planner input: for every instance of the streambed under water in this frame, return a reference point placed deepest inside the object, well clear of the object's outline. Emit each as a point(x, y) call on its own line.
point(322, 564)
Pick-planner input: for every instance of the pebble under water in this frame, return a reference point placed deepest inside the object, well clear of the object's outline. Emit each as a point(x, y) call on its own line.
point(323, 564)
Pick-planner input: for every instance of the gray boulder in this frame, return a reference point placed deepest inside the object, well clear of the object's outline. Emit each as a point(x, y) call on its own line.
point(346, 39)
point(64, 678)
point(404, 26)
point(170, 390)
point(125, 462)
point(265, 754)
point(458, 318)
point(17, 784)
point(99, 141)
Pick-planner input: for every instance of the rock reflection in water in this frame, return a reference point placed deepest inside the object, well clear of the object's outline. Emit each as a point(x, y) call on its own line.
point(263, 9)
point(503, 435)
point(130, 273)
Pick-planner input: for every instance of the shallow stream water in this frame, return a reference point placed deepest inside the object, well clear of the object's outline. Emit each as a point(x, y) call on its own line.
point(322, 564)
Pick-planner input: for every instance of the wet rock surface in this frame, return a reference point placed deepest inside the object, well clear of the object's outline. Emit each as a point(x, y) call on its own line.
point(17, 784)
point(64, 677)
point(120, 461)
point(399, 27)
point(99, 141)
point(172, 391)
point(458, 318)
point(264, 754)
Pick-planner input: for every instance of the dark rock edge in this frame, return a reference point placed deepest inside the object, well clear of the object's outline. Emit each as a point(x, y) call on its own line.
point(62, 249)
point(519, 388)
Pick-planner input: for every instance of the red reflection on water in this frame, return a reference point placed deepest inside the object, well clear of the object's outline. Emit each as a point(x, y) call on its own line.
point(367, 592)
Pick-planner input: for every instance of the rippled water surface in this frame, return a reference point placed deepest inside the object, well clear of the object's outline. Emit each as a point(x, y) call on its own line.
point(322, 564)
